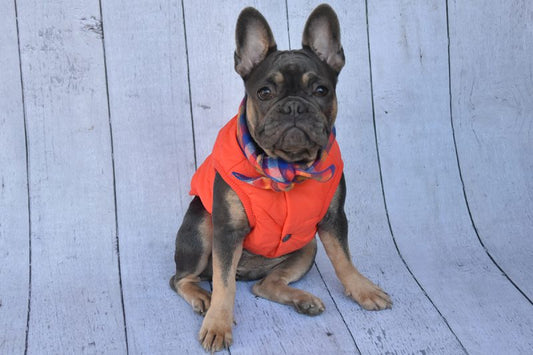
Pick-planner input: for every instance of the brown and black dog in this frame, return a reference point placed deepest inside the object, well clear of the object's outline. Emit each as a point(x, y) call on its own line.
point(290, 108)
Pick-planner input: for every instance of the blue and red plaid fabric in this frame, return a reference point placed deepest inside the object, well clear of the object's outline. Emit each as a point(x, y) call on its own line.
point(276, 173)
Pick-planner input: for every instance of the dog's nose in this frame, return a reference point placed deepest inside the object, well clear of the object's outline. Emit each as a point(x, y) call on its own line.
point(293, 108)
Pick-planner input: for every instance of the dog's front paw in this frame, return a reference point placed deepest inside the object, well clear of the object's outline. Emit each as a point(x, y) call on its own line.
point(367, 294)
point(215, 333)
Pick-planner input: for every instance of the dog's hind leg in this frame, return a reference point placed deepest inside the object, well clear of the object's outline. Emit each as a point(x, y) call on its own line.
point(193, 255)
point(275, 286)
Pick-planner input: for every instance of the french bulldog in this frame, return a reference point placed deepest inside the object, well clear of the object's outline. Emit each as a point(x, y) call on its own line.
point(273, 181)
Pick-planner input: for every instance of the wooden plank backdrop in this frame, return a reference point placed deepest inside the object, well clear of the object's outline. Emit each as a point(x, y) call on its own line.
point(14, 218)
point(154, 161)
point(492, 115)
point(107, 108)
point(75, 303)
point(422, 185)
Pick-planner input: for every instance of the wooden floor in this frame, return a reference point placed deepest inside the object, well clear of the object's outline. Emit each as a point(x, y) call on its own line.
point(107, 107)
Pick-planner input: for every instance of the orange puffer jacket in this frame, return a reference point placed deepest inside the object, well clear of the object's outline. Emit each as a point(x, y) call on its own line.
point(281, 222)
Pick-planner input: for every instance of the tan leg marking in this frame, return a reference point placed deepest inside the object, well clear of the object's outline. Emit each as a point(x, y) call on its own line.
point(216, 333)
point(358, 287)
point(275, 285)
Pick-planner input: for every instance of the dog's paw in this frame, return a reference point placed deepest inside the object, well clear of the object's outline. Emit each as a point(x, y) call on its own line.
point(367, 294)
point(215, 333)
point(201, 301)
point(197, 297)
point(308, 304)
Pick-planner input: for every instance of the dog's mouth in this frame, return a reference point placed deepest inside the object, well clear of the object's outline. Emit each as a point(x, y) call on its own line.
point(295, 146)
point(305, 157)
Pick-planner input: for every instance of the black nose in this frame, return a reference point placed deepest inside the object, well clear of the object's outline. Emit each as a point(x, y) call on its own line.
point(293, 108)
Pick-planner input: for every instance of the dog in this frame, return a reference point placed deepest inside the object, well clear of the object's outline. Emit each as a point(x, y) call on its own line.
point(273, 180)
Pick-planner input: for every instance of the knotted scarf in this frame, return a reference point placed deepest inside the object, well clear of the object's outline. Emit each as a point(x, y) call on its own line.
point(276, 173)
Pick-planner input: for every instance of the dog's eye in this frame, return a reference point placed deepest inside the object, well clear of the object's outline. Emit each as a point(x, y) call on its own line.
point(320, 91)
point(264, 93)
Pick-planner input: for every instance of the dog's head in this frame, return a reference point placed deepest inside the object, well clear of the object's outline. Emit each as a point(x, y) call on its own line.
point(291, 102)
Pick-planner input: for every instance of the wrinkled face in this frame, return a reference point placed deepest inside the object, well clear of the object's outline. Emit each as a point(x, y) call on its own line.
point(291, 105)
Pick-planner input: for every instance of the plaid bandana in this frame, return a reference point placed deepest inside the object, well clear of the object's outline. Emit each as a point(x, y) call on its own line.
point(276, 173)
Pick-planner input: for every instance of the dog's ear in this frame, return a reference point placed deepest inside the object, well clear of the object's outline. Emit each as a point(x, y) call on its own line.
point(323, 36)
point(254, 41)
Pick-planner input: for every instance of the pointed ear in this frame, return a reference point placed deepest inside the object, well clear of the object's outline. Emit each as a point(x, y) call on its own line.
point(254, 41)
point(322, 35)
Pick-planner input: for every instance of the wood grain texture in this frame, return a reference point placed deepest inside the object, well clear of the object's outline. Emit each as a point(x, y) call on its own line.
point(413, 324)
point(75, 299)
point(216, 91)
point(113, 137)
point(492, 86)
point(422, 185)
point(14, 219)
point(154, 161)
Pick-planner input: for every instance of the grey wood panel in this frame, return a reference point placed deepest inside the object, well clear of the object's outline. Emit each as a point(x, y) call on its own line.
point(216, 91)
point(75, 287)
point(422, 185)
point(14, 221)
point(413, 324)
point(75, 292)
point(154, 161)
point(492, 87)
